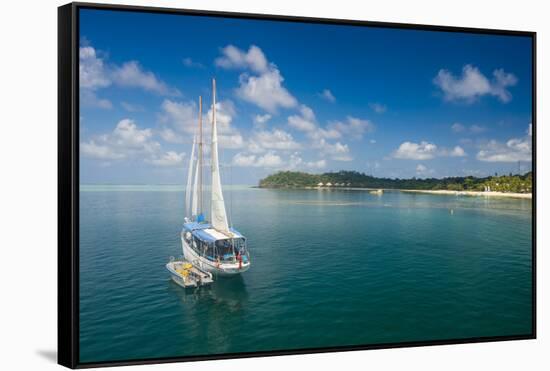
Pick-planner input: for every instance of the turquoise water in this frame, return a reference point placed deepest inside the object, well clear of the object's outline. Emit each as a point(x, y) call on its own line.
point(329, 268)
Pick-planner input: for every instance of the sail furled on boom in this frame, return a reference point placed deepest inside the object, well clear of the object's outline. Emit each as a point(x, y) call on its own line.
point(217, 212)
point(188, 190)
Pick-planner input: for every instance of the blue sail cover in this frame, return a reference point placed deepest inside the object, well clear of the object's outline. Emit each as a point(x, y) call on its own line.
point(199, 230)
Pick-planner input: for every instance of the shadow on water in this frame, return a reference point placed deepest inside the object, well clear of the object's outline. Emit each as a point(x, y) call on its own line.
point(230, 292)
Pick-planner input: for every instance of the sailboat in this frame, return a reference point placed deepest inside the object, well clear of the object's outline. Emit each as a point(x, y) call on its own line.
point(213, 246)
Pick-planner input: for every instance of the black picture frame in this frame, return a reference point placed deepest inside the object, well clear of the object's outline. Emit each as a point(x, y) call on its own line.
point(68, 182)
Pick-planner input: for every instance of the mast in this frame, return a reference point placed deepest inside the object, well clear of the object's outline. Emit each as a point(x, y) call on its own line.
point(190, 179)
point(200, 157)
point(218, 214)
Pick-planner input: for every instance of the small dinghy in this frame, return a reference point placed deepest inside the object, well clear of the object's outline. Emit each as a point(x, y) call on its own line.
point(186, 274)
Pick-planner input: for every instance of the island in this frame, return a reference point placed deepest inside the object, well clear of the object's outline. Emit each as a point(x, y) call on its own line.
point(511, 185)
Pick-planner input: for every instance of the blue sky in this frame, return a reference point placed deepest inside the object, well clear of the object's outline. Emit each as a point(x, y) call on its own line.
point(295, 96)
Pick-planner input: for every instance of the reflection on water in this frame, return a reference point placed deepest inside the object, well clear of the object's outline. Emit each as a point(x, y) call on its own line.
point(328, 268)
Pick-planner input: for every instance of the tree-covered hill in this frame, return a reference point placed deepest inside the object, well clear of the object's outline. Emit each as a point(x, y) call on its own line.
point(295, 179)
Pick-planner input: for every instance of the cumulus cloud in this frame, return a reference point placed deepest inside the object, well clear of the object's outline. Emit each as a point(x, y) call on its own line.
point(89, 98)
point(179, 120)
point(304, 121)
point(266, 91)
point(92, 71)
point(327, 95)
point(131, 74)
point(128, 141)
point(473, 84)
point(95, 74)
point(353, 127)
point(425, 151)
point(132, 107)
point(457, 151)
point(170, 158)
point(235, 58)
point(336, 151)
point(261, 120)
point(513, 150)
point(320, 164)
point(264, 87)
point(416, 151)
point(276, 139)
point(268, 160)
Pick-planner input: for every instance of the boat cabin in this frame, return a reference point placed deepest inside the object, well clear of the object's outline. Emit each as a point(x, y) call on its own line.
point(214, 245)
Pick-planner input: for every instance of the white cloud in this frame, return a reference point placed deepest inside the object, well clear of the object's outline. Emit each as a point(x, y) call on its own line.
point(231, 141)
point(182, 115)
point(266, 91)
point(170, 158)
point(225, 111)
point(305, 121)
point(265, 88)
point(530, 130)
point(180, 120)
point(472, 84)
point(336, 151)
point(416, 151)
point(457, 151)
point(353, 127)
point(235, 58)
point(378, 107)
point(327, 95)
point(131, 74)
point(89, 98)
point(132, 107)
point(244, 160)
point(93, 74)
point(261, 120)
point(317, 164)
point(99, 151)
point(269, 160)
point(171, 136)
point(275, 139)
point(128, 141)
point(515, 149)
point(425, 151)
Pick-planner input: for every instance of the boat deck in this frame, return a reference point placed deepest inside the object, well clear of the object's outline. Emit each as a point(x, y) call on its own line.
point(187, 274)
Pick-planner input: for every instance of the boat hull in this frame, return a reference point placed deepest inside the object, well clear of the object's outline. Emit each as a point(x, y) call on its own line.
point(223, 269)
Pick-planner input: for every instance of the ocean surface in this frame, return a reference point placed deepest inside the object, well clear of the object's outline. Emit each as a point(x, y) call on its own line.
point(329, 268)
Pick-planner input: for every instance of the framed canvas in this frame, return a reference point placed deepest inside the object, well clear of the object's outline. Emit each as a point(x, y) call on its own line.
point(239, 185)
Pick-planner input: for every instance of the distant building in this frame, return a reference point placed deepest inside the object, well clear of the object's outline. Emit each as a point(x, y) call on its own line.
point(320, 184)
point(329, 184)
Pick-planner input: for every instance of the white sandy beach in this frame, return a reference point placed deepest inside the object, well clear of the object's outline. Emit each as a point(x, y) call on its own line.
point(473, 193)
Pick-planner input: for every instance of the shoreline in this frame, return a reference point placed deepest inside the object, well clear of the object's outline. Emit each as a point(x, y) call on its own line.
point(443, 192)
point(528, 196)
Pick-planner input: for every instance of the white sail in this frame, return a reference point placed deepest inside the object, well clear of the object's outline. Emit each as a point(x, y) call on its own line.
point(189, 180)
point(218, 214)
point(195, 202)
